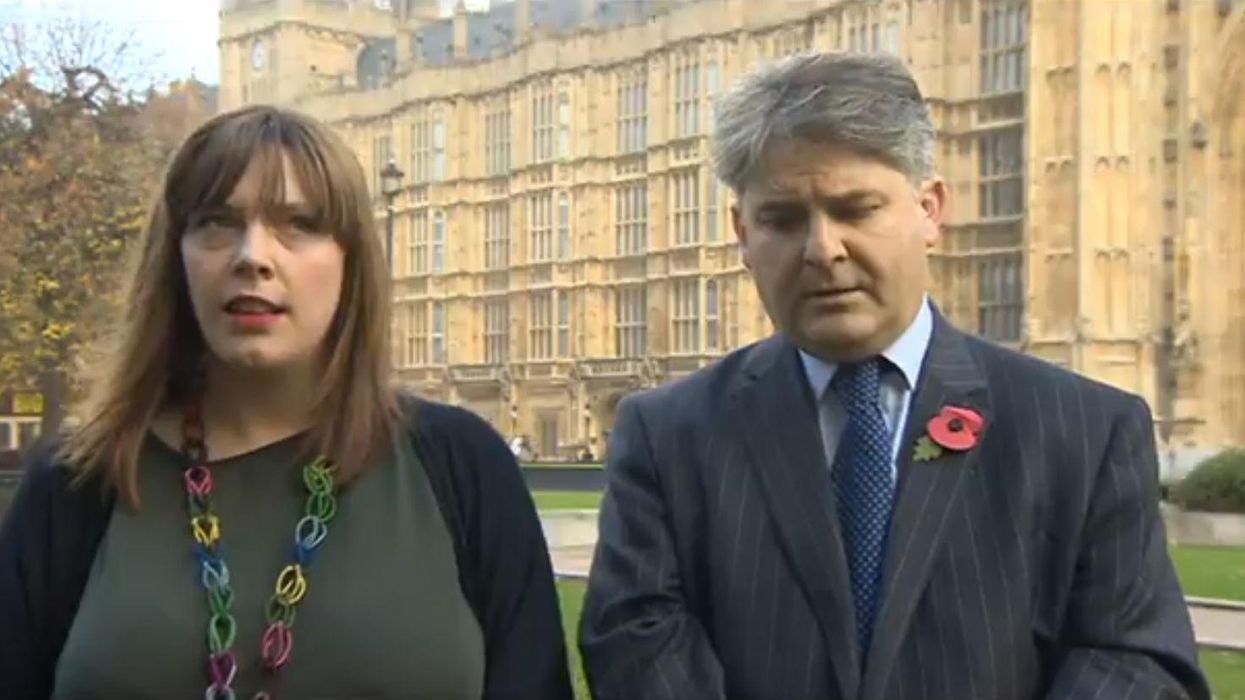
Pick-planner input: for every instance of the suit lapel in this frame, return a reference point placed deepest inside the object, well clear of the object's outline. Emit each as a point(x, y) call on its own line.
point(772, 407)
point(928, 492)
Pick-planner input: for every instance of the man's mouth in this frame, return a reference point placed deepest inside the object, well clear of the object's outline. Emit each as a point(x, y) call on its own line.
point(831, 293)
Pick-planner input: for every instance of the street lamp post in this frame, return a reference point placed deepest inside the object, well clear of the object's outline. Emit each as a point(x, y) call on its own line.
point(390, 182)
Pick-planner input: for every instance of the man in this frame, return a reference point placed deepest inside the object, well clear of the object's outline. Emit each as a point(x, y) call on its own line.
point(872, 504)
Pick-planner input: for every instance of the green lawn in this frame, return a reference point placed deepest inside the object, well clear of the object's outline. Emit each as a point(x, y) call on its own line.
point(567, 500)
point(1216, 572)
point(1226, 670)
point(571, 595)
point(1211, 572)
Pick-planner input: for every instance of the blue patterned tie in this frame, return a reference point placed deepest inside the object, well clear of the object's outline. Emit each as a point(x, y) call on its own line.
point(864, 486)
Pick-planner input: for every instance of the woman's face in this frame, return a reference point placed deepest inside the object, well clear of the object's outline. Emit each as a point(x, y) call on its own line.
point(264, 285)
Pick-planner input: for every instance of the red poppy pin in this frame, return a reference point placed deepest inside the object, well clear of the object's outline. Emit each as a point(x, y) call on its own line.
point(954, 428)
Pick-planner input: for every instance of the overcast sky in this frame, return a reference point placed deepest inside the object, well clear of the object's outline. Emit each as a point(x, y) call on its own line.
point(447, 5)
point(180, 33)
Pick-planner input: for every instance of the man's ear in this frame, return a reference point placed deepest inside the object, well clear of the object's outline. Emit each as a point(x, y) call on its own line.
point(933, 201)
point(741, 232)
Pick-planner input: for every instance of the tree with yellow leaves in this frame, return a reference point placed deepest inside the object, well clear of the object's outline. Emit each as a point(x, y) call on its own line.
point(77, 163)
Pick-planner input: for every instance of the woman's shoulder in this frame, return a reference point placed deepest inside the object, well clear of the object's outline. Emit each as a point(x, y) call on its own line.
point(44, 472)
point(449, 426)
point(50, 487)
point(48, 481)
point(455, 443)
point(427, 414)
point(473, 473)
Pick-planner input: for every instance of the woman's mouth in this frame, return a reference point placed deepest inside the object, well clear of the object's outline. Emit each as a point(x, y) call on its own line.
point(253, 313)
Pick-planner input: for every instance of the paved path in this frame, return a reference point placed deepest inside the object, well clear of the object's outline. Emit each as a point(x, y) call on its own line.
point(1217, 624)
point(572, 562)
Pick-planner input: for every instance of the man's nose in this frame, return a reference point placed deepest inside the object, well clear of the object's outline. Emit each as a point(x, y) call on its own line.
point(824, 244)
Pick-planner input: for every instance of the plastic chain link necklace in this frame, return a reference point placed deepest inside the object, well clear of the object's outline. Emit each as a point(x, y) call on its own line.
point(277, 642)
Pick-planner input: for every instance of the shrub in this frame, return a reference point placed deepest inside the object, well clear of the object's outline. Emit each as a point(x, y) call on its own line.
point(1217, 485)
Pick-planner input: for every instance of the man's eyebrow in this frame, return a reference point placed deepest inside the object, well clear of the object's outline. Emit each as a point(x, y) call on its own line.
point(853, 196)
point(782, 198)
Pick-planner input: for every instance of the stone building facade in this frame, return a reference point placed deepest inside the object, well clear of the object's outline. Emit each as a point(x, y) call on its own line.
point(560, 241)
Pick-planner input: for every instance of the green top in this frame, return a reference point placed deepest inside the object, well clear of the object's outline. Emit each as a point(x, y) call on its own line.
point(384, 615)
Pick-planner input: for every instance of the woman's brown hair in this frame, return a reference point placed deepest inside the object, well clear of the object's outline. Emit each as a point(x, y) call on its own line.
point(159, 348)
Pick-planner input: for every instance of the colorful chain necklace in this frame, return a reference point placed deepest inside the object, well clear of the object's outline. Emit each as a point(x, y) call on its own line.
point(291, 586)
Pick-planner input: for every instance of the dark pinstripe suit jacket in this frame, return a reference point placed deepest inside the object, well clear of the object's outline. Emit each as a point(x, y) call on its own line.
point(1033, 566)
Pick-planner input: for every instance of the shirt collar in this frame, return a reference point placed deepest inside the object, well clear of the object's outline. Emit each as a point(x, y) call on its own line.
point(907, 353)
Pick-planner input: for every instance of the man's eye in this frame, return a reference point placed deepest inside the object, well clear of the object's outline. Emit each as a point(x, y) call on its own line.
point(856, 213)
point(784, 221)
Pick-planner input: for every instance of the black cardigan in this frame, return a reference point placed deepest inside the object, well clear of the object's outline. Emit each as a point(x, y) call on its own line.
point(49, 537)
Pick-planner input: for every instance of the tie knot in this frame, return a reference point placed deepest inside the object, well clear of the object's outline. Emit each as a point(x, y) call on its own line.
point(857, 383)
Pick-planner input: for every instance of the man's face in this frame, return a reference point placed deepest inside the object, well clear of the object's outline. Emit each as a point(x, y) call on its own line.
point(836, 242)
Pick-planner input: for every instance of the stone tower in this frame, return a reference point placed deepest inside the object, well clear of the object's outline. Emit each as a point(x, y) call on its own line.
point(277, 51)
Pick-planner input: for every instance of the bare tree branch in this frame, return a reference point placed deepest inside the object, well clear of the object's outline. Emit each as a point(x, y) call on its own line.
point(62, 53)
point(76, 160)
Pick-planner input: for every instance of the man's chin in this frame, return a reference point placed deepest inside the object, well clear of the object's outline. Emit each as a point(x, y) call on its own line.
point(846, 337)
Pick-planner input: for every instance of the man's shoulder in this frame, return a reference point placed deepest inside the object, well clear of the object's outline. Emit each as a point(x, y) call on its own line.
point(1007, 369)
point(706, 385)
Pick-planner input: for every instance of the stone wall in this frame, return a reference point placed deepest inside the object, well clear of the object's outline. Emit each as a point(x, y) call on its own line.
point(579, 528)
point(1203, 529)
point(1176, 465)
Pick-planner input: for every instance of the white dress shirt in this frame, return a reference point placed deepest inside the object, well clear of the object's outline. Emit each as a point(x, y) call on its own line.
point(907, 354)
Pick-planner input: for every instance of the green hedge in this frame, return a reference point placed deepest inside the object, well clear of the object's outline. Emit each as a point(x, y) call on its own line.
point(1217, 485)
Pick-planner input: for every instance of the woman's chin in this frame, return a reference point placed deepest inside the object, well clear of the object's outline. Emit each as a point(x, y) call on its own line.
point(252, 357)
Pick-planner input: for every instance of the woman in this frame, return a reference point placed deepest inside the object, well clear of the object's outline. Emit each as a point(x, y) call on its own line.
point(276, 520)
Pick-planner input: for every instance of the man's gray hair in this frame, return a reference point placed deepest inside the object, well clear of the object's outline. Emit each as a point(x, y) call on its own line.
point(866, 102)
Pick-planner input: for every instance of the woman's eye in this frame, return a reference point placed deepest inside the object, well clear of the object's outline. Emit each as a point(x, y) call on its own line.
point(214, 221)
point(213, 236)
point(306, 224)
